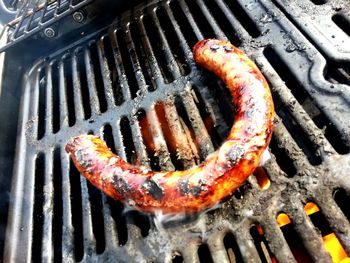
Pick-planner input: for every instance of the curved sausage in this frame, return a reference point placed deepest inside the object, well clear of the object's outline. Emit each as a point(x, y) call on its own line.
point(216, 178)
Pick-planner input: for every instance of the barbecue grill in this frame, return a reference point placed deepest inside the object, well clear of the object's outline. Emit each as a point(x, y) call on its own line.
point(125, 72)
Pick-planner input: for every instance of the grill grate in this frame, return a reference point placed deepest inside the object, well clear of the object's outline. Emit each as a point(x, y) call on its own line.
point(137, 86)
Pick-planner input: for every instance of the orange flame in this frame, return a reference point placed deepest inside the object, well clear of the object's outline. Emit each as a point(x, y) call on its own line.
point(259, 229)
point(262, 179)
point(330, 241)
point(283, 219)
point(335, 249)
point(311, 208)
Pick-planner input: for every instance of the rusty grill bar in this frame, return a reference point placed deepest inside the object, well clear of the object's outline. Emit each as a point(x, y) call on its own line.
point(136, 85)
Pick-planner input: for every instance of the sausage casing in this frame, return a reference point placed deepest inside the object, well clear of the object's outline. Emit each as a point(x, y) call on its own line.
point(202, 186)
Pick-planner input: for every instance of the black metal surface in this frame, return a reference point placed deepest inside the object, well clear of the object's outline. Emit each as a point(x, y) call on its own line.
point(7, 11)
point(46, 23)
point(136, 85)
point(33, 16)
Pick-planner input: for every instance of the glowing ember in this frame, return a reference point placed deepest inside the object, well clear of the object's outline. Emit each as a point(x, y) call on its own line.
point(335, 249)
point(262, 179)
point(260, 230)
point(283, 219)
point(311, 208)
point(330, 241)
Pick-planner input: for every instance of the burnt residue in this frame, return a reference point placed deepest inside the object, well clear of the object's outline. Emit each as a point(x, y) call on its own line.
point(122, 186)
point(235, 154)
point(153, 189)
point(195, 190)
point(85, 163)
point(199, 188)
point(250, 112)
point(184, 187)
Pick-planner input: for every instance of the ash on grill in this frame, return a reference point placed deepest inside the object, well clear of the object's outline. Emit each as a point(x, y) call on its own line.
point(135, 84)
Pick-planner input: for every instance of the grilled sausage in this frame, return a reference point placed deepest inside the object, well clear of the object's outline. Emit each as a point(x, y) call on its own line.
point(216, 178)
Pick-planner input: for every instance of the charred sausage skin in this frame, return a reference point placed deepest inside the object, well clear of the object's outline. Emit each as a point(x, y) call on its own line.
point(205, 185)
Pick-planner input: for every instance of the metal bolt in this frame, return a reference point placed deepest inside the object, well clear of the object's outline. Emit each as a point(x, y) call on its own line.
point(78, 16)
point(49, 32)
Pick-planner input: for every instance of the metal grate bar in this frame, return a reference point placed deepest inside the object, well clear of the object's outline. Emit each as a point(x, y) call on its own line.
point(62, 6)
point(145, 62)
point(140, 78)
point(33, 89)
point(20, 173)
point(119, 66)
point(111, 234)
point(113, 84)
point(26, 223)
point(201, 135)
point(217, 248)
point(235, 23)
point(278, 245)
point(91, 85)
point(19, 23)
point(29, 23)
point(105, 74)
point(183, 43)
point(154, 67)
point(318, 31)
point(58, 6)
point(139, 144)
point(97, 77)
point(275, 173)
point(191, 20)
point(160, 145)
point(246, 244)
point(210, 109)
point(310, 237)
point(190, 255)
point(63, 103)
point(299, 114)
point(43, 12)
point(78, 104)
point(48, 122)
point(171, 62)
point(285, 141)
point(88, 235)
point(183, 150)
point(67, 225)
point(211, 20)
point(336, 220)
point(117, 141)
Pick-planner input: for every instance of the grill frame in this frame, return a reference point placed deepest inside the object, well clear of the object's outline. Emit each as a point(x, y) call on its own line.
point(40, 24)
point(29, 11)
point(315, 183)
